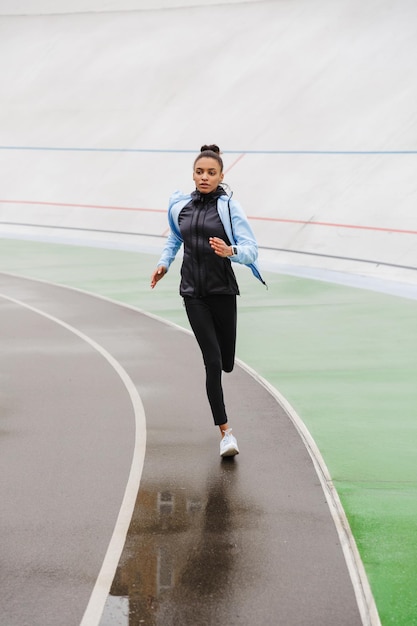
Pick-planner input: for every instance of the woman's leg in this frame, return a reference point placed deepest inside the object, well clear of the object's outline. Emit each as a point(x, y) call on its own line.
point(224, 313)
point(202, 323)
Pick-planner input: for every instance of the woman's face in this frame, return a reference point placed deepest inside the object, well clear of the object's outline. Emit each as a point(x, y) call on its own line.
point(207, 175)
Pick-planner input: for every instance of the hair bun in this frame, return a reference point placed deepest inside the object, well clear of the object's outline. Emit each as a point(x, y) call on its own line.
point(212, 148)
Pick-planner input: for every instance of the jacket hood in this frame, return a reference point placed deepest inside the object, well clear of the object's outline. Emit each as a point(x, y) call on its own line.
point(177, 196)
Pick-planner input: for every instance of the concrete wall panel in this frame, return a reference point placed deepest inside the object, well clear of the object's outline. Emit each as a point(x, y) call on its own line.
point(312, 103)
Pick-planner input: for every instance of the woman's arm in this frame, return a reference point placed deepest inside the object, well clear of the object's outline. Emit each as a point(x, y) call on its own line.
point(172, 245)
point(244, 238)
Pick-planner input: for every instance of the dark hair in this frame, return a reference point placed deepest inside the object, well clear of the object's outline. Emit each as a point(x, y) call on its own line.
point(213, 152)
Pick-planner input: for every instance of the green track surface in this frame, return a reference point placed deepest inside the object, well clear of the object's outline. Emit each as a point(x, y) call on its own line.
point(345, 358)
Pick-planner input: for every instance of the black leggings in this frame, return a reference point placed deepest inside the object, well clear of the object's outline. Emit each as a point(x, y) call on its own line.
point(213, 321)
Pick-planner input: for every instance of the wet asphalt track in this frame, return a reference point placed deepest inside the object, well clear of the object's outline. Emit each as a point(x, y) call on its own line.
point(210, 541)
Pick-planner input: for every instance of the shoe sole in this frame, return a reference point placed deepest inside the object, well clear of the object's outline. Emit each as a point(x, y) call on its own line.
point(231, 451)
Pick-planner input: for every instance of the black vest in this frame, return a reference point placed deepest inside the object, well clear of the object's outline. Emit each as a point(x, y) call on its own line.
point(203, 272)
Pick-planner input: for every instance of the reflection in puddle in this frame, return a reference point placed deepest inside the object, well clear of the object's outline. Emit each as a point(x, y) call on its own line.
point(178, 555)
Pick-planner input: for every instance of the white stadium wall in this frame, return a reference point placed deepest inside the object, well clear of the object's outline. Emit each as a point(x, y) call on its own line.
point(104, 106)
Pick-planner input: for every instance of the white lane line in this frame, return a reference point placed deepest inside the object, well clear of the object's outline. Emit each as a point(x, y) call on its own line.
point(364, 597)
point(360, 583)
point(107, 572)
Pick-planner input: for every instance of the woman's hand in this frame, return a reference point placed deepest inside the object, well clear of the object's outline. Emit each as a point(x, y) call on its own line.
point(220, 247)
point(157, 275)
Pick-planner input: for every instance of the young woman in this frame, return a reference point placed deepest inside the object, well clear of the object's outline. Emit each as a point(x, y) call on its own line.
point(214, 231)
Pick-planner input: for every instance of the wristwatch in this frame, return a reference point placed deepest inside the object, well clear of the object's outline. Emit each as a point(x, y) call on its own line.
point(234, 249)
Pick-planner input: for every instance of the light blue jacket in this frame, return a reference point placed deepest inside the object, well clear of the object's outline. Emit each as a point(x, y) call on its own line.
point(242, 236)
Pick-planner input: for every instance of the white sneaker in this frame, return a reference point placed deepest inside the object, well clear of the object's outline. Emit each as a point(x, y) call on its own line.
point(228, 445)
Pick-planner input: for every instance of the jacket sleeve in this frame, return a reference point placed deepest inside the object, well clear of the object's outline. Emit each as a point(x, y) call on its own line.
point(174, 239)
point(244, 237)
point(172, 245)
